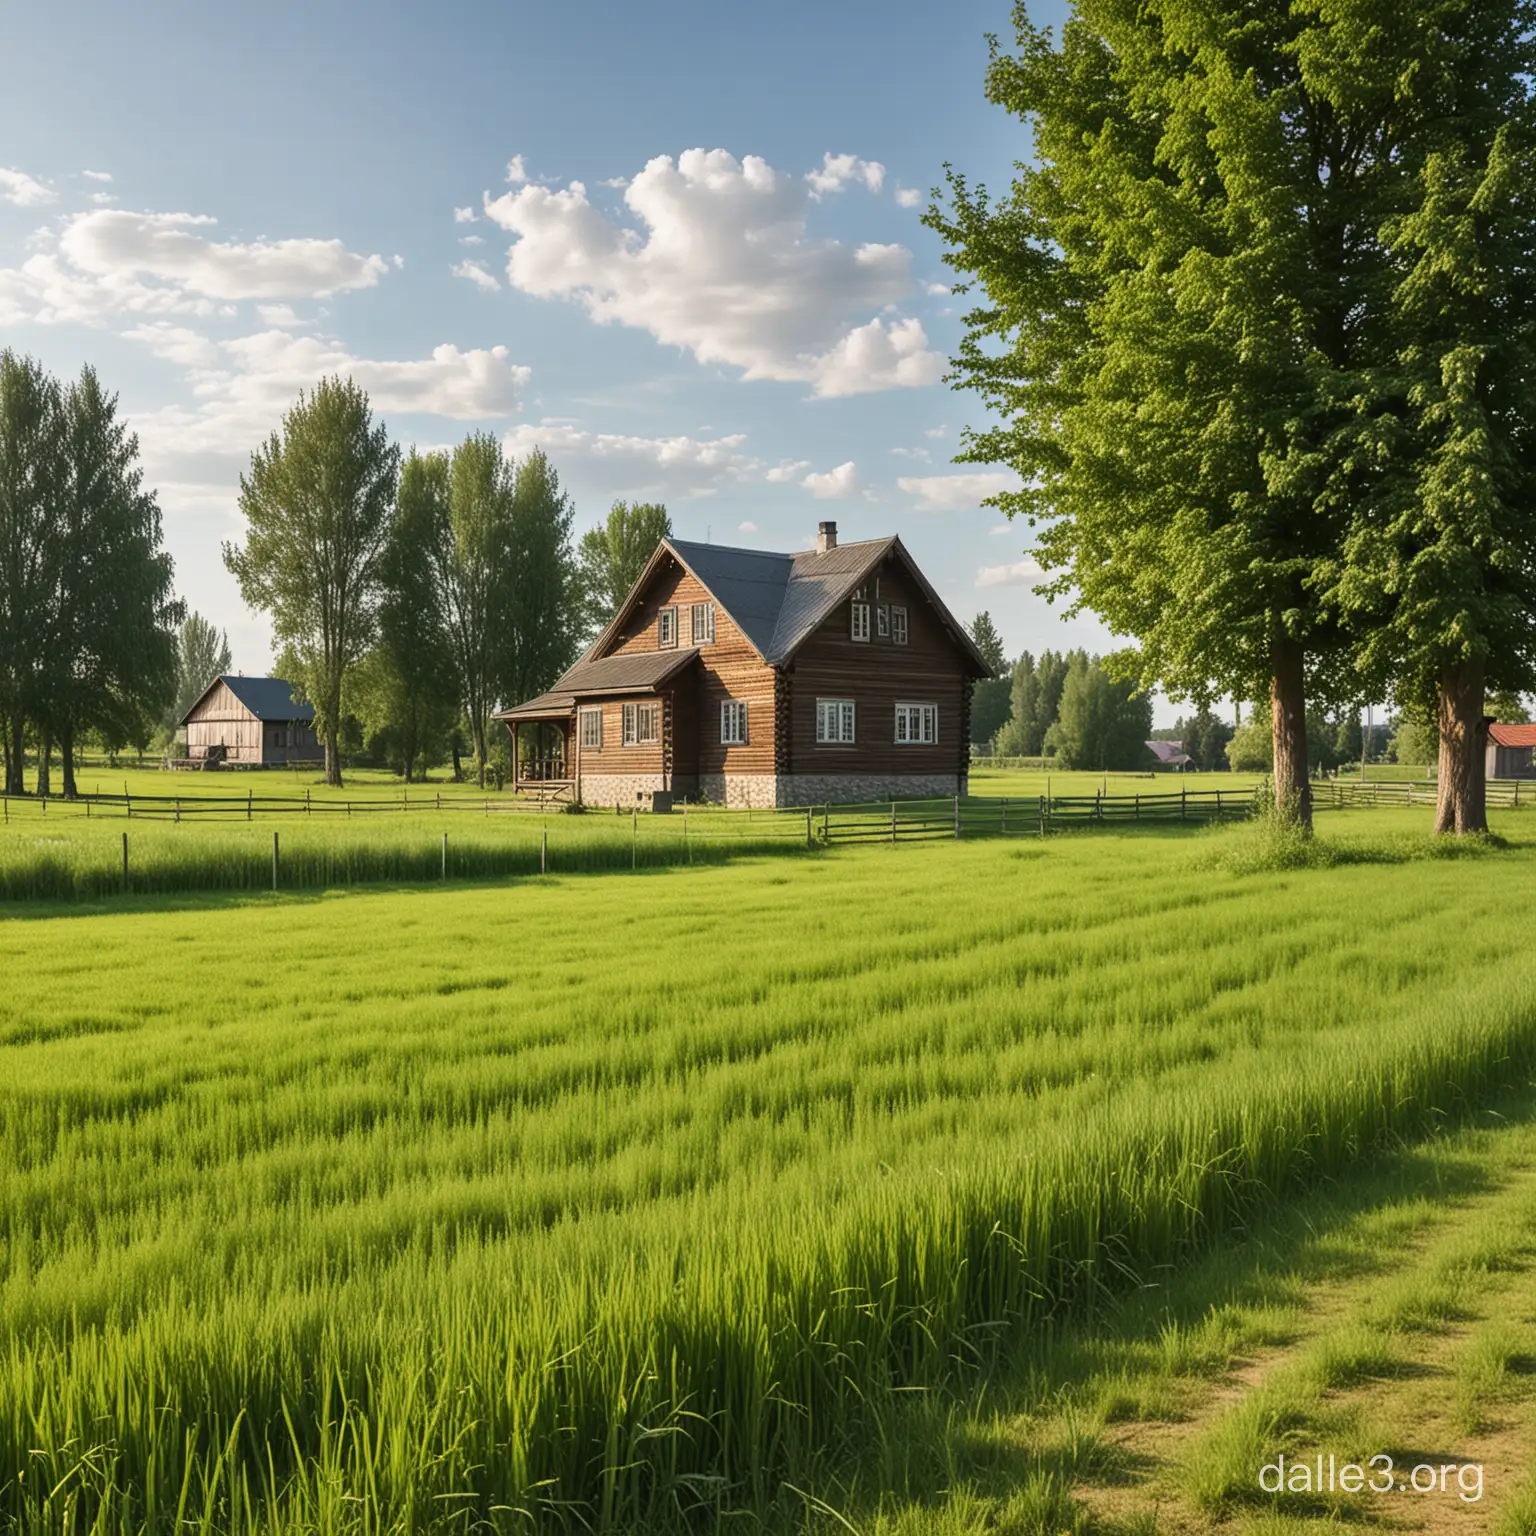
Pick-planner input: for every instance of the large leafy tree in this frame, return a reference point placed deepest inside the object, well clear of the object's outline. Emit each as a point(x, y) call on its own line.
point(1186, 329)
point(202, 654)
point(33, 453)
point(1103, 721)
point(317, 503)
point(612, 555)
point(992, 697)
point(546, 617)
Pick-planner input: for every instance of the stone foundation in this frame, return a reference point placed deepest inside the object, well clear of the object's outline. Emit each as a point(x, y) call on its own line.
point(602, 790)
point(739, 791)
point(767, 791)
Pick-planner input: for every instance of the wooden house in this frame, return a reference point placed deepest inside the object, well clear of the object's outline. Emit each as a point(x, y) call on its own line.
point(250, 722)
point(758, 679)
point(1169, 754)
point(1510, 750)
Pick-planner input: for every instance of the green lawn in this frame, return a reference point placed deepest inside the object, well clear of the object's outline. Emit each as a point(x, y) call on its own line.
point(631, 1199)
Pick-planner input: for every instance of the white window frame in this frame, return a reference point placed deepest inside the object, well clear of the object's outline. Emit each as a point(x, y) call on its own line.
point(733, 722)
point(859, 622)
point(666, 629)
point(917, 724)
point(634, 715)
point(883, 621)
point(835, 722)
point(593, 717)
point(701, 633)
point(898, 626)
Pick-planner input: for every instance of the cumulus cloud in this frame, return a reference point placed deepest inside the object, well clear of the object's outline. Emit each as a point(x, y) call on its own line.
point(176, 344)
point(97, 175)
point(23, 190)
point(102, 199)
point(471, 240)
point(838, 170)
point(280, 315)
point(747, 527)
point(464, 215)
point(935, 287)
point(956, 493)
point(786, 470)
point(911, 453)
point(517, 173)
point(1022, 573)
point(835, 485)
point(722, 266)
point(682, 465)
point(908, 197)
point(476, 273)
point(940, 431)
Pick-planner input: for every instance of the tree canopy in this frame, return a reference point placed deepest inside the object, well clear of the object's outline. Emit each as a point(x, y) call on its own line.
point(612, 556)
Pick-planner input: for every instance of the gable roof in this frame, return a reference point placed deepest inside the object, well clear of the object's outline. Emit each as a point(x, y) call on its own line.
point(778, 600)
point(1512, 735)
point(267, 698)
point(634, 672)
point(1170, 753)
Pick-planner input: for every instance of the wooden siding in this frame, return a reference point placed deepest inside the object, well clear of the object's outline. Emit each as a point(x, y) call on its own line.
point(728, 669)
point(877, 674)
point(613, 756)
point(220, 719)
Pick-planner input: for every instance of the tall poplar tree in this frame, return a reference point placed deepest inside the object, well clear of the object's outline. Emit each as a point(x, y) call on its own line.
point(612, 555)
point(1187, 328)
point(546, 616)
point(317, 503)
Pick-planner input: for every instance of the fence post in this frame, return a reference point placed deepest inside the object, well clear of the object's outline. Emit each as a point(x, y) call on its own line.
point(178, 808)
point(125, 863)
point(826, 824)
point(1098, 804)
point(957, 817)
point(1138, 805)
point(445, 855)
point(634, 838)
point(893, 821)
point(1042, 815)
point(249, 795)
point(7, 802)
point(1004, 827)
point(1183, 802)
point(274, 861)
point(306, 802)
point(1218, 805)
point(543, 850)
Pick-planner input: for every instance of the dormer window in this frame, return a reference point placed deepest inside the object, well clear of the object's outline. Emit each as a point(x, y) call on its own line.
point(860, 629)
point(666, 630)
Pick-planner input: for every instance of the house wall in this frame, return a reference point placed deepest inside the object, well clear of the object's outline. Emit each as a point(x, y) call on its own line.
point(1509, 762)
point(219, 718)
point(728, 669)
point(877, 674)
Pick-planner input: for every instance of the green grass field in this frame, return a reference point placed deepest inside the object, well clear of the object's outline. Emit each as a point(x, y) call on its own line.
point(637, 1201)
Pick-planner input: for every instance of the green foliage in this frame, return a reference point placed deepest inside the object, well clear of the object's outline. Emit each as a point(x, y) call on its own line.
point(989, 642)
point(1204, 737)
point(1251, 748)
point(413, 1231)
point(317, 502)
point(992, 697)
point(1414, 741)
point(546, 619)
point(1103, 721)
point(1035, 699)
point(202, 654)
point(1508, 707)
point(611, 556)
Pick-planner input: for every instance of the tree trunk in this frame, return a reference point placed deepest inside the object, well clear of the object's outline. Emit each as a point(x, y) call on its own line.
point(1463, 800)
point(1288, 713)
point(16, 774)
point(67, 757)
point(332, 757)
point(477, 726)
point(45, 764)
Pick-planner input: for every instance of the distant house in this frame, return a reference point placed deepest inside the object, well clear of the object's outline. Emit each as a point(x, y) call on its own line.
point(1169, 754)
point(252, 722)
point(1510, 751)
point(752, 678)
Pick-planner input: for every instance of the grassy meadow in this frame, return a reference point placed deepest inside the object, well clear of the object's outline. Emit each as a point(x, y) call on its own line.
point(649, 1200)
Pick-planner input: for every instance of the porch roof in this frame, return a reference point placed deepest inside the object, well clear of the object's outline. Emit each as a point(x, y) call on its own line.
point(635, 672)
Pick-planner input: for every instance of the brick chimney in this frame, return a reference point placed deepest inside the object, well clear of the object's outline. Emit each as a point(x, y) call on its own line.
point(826, 537)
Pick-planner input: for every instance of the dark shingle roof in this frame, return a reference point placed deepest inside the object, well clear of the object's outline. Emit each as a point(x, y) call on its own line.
point(636, 672)
point(268, 698)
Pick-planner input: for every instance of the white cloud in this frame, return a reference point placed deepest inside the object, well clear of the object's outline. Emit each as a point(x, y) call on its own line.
point(176, 344)
point(998, 528)
point(838, 170)
point(683, 466)
point(22, 190)
point(464, 215)
point(836, 485)
point(517, 173)
point(908, 197)
point(280, 315)
point(786, 470)
point(471, 240)
point(956, 493)
point(97, 175)
point(102, 199)
point(476, 273)
point(935, 287)
point(911, 453)
point(1022, 573)
point(746, 527)
point(723, 267)
point(936, 432)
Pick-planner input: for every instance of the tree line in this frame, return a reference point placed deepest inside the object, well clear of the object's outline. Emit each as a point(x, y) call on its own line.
point(1255, 326)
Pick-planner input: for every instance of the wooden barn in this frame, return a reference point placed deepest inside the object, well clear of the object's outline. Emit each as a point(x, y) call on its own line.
point(250, 722)
point(1510, 749)
point(751, 678)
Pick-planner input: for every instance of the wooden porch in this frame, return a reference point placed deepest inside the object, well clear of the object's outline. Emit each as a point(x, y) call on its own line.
point(543, 757)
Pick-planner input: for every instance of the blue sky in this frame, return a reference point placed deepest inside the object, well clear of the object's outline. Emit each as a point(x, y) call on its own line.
point(677, 245)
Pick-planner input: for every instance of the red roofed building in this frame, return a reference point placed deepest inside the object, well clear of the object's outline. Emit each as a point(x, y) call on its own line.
point(1509, 751)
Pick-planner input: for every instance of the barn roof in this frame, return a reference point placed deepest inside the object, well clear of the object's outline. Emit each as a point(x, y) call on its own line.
point(635, 672)
point(778, 600)
point(1512, 735)
point(1169, 753)
point(267, 698)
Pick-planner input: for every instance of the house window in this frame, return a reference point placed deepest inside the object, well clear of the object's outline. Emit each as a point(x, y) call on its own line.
point(861, 621)
point(883, 621)
point(666, 629)
point(917, 725)
point(899, 625)
point(701, 624)
point(834, 721)
point(642, 724)
point(592, 729)
point(733, 723)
